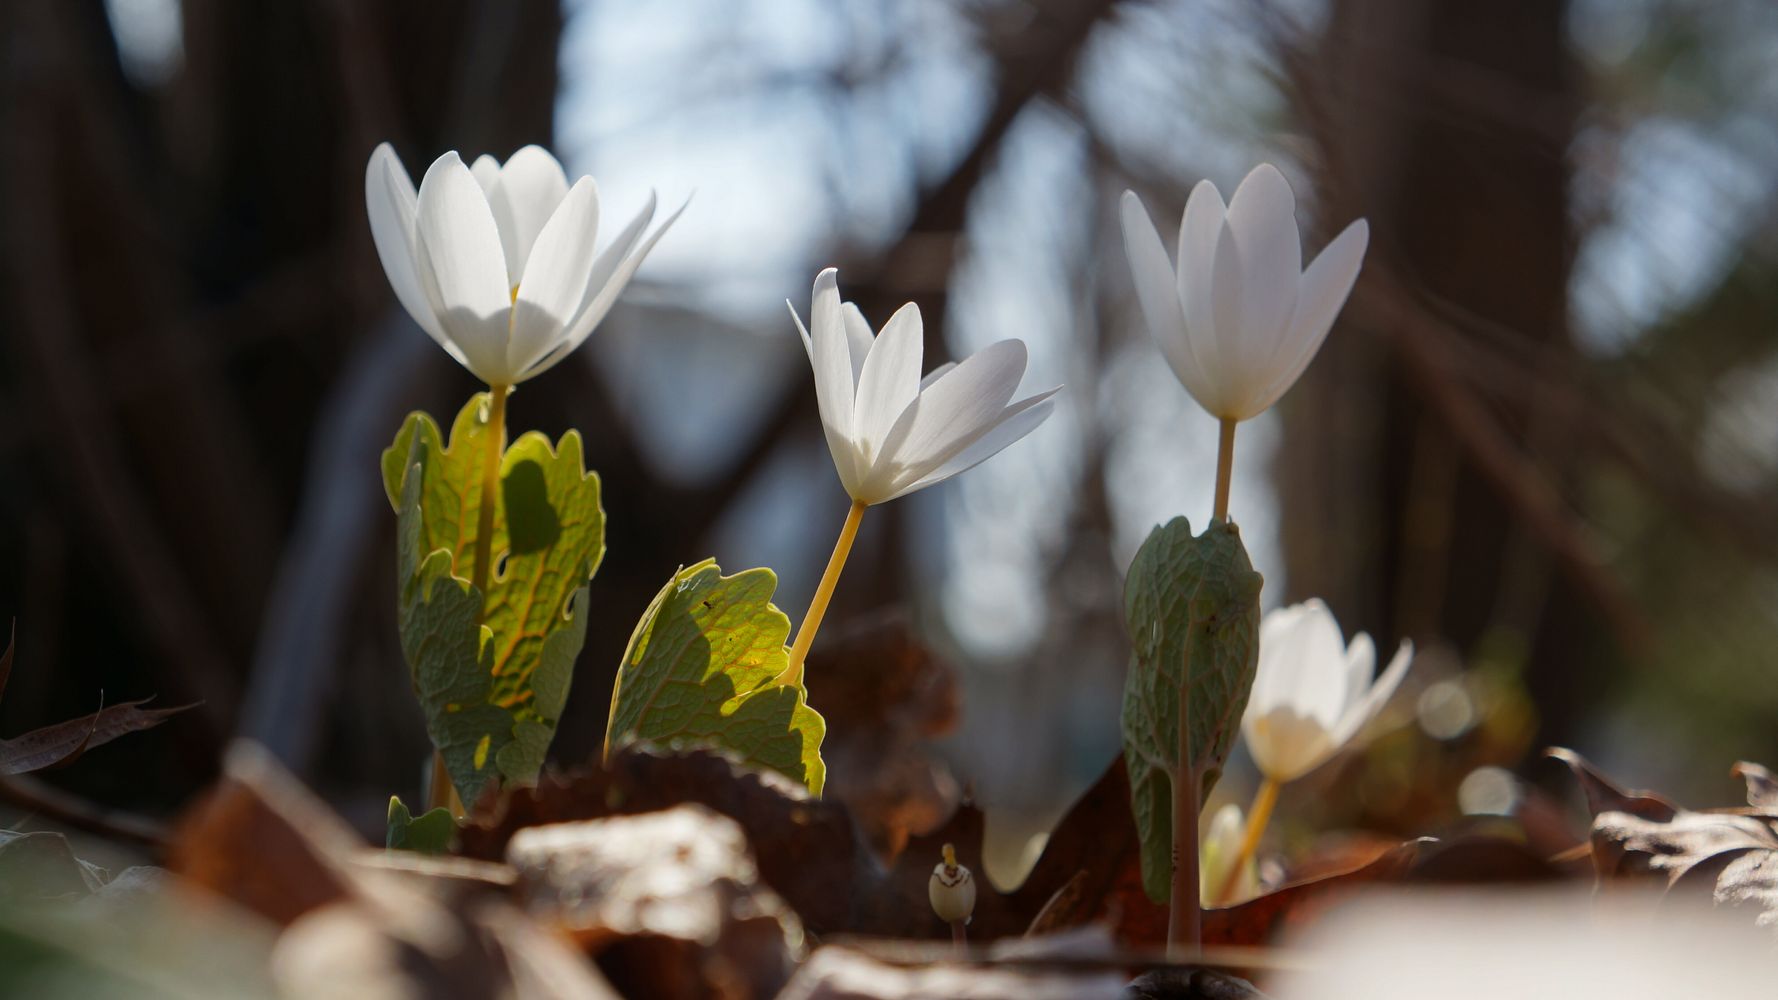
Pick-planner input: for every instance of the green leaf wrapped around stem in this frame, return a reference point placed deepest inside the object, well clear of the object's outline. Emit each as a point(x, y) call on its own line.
point(1191, 607)
point(492, 667)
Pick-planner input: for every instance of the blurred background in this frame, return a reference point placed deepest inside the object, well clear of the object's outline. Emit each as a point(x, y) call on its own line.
point(1542, 443)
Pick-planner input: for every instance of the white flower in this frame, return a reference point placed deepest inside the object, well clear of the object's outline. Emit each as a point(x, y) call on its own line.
point(1312, 692)
point(1240, 319)
point(496, 262)
point(1222, 845)
point(890, 431)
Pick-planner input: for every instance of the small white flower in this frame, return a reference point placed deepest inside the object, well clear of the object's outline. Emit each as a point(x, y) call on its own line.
point(1239, 319)
point(496, 262)
point(1312, 692)
point(1222, 845)
point(890, 431)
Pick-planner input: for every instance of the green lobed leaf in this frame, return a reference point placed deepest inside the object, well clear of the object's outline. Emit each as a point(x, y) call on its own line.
point(1191, 606)
point(702, 669)
point(492, 690)
point(430, 833)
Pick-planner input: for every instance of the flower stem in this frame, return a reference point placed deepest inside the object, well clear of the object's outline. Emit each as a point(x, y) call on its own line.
point(440, 791)
point(1258, 815)
point(484, 521)
point(805, 633)
point(1185, 916)
point(959, 939)
point(1225, 469)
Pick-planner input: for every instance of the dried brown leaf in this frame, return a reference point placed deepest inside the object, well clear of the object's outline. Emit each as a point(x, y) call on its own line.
point(886, 697)
point(1762, 785)
point(64, 743)
point(808, 850)
point(837, 973)
point(1731, 854)
point(669, 903)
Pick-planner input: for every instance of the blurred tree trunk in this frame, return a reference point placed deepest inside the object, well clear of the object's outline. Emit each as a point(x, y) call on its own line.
point(1449, 122)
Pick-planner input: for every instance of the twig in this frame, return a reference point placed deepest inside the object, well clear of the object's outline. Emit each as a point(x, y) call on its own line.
point(69, 810)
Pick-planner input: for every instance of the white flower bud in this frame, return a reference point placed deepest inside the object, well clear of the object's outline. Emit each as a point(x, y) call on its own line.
point(951, 889)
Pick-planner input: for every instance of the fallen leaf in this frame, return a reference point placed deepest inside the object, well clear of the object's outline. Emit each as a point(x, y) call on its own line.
point(65, 742)
point(1730, 854)
point(41, 865)
point(886, 697)
point(1762, 785)
point(669, 903)
point(263, 841)
point(839, 973)
point(807, 849)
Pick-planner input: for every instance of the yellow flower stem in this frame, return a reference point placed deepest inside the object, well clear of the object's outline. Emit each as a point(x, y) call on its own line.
point(441, 792)
point(805, 633)
point(484, 521)
point(1225, 468)
point(1258, 815)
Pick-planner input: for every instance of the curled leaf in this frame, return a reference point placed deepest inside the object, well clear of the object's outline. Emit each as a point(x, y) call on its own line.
point(492, 671)
point(1191, 607)
point(702, 668)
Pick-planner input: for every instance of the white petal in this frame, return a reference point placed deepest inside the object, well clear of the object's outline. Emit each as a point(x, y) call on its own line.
point(834, 388)
point(1262, 216)
point(831, 359)
point(1285, 745)
point(934, 375)
point(606, 265)
point(808, 348)
point(555, 278)
point(461, 268)
point(532, 185)
point(1016, 421)
point(1322, 293)
point(486, 171)
point(1155, 292)
point(1301, 665)
point(1198, 232)
point(890, 379)
point(1361, 667)
point(858, 340)
point(1362, 712)
point(955, 411)
point(1235, 384)
point(608, 289)
point(391, 203)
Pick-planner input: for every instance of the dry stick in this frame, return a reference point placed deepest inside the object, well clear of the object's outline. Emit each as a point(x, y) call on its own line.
point(61, 807)
point(1258, 815)
point(805, 633)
